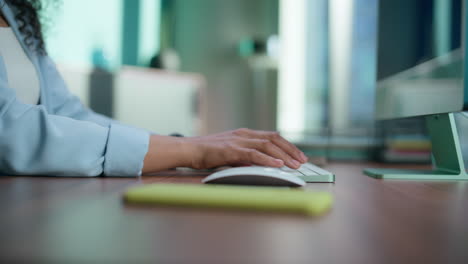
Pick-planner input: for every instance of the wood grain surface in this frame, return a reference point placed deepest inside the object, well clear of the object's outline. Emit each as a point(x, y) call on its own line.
point(84, 220)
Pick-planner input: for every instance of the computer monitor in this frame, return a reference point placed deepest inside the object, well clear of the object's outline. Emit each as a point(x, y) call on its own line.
point(420, 72)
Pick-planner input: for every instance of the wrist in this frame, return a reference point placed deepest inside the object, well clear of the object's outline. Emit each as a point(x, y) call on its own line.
point(166, 152)
point(186, 152)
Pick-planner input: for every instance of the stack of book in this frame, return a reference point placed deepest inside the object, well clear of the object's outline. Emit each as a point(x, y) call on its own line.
point(407, 148)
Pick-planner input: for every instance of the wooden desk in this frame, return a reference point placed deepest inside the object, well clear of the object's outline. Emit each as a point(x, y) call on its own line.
point(78, 220)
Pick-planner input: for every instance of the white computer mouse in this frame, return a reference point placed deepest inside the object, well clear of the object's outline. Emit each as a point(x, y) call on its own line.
point(254, 175)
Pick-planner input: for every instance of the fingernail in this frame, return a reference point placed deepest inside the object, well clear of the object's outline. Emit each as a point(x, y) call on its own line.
point(296, 163)
point(279, 162)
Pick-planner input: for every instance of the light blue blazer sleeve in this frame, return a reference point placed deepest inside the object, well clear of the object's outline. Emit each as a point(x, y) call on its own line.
point(61, 137)
point(61, 101)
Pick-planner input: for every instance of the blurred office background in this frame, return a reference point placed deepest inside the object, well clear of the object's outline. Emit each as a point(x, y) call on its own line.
point(304, 67)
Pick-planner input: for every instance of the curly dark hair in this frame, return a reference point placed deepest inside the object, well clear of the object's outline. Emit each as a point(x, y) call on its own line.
point(27, 15)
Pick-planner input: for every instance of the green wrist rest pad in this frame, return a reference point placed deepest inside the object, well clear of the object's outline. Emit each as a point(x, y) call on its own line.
point(279, 199)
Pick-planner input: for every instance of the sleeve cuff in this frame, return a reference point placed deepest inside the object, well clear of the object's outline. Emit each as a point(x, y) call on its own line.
point(126, 150)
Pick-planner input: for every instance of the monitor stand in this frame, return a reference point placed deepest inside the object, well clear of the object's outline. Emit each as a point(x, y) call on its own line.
point(447, 157)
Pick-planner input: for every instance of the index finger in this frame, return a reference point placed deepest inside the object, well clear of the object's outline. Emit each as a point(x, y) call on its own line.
point(282, 143)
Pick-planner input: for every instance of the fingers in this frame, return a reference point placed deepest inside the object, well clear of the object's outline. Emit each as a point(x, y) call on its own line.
point(288, 147)
point(256, 157)
point(277, 139)
point(269, 148)
point(243, 146)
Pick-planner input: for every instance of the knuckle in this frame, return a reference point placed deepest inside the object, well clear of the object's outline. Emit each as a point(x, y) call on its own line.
point(229, 146)
point(237, 155)
point(248, 154)
point(252, 155)
point(275, 135)
point(271, 147)
point(231, 151)
point(248, 151)
point(264, 143)
point(241, 131)
point(234, 158)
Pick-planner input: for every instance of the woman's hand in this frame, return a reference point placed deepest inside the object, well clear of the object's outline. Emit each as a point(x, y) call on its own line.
point(241, 146)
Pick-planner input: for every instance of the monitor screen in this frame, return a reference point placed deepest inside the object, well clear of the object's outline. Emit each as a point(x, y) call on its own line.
point(420, 57)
